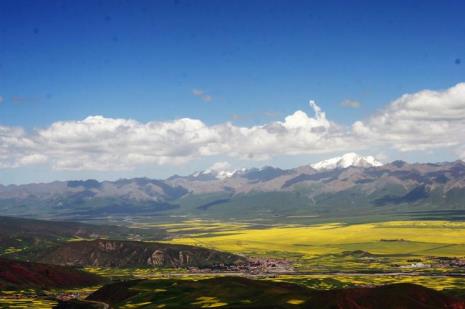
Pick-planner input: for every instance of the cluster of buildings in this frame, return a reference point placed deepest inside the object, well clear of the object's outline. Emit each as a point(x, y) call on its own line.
point(254, 267)
point(437, 262)
point(68, 296)
point(449, 262)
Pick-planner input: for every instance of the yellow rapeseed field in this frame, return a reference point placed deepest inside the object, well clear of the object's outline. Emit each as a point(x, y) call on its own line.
point(392, 237)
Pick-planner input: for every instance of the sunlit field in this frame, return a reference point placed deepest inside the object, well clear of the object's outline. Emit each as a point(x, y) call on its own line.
point(39, 298)
point(26, 303)
point(327, 282)
point(195, 227)
point(340, 248)
point(439, 238)
point(24, 299)
point(324, 256)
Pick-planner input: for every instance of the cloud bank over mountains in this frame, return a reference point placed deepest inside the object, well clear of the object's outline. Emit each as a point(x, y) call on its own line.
point(419, 121)
point(425, 120)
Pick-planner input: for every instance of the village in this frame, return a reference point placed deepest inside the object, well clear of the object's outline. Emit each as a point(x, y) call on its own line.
point(255, 266)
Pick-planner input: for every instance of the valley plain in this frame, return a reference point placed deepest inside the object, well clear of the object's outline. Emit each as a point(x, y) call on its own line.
point(361, 229)
point(335, 255)
point(320, 256)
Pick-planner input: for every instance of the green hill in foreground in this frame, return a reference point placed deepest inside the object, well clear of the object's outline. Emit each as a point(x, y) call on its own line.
point(236, 292)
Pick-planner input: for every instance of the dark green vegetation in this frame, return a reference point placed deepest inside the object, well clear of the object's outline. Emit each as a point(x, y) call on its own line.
point(398, 190)
point(79, 304)
point(62, 243)
point(239, 292)
point(21, 275)
point(26, 237)
point(114, 253)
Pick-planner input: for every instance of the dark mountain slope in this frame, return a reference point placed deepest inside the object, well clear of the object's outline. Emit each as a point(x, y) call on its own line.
point(236, 292)
point(19, 275)
point(403, 295)
point(28, 234)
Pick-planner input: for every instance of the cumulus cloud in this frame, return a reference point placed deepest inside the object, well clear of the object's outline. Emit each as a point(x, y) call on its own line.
point(99, 143)
point(15, 144)
point(420, 121)
point(107, 143)
point(351, 104)
point(32, 159)
point(201, 94)
point(220, 166)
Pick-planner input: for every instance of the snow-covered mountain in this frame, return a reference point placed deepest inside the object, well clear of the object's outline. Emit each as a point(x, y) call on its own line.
point(212, 174)
point(349, 159)
point(222, 171)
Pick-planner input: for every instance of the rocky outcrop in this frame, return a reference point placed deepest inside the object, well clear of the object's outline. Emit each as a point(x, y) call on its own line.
point(116, 253)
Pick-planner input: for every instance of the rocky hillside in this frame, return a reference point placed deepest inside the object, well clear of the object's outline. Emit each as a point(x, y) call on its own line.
point(21, 275)
point(114, 253)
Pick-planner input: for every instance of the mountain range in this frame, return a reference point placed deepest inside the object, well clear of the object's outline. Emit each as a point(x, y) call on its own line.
point(342, 186)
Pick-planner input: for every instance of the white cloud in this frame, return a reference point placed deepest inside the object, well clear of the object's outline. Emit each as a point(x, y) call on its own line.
point(32, 159)
point(14, 145)
point(99, 143)
point(425, 120)
point(220, 166)
point(419, 121)
point(201, 94)
point(350, 104)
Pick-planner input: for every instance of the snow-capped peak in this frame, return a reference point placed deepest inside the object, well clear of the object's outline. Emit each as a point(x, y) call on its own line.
point(214, 174)
point(349, 159)
point(225, 174)
point(219, 170)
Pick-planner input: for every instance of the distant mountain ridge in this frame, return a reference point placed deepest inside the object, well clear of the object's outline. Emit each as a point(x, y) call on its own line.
point(347, 185)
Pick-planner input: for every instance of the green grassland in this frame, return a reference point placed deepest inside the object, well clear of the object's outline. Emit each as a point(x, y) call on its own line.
point(237, 292)
point(211, 293)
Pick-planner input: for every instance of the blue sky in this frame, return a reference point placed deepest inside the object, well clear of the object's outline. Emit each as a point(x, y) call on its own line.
point(258, 61)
